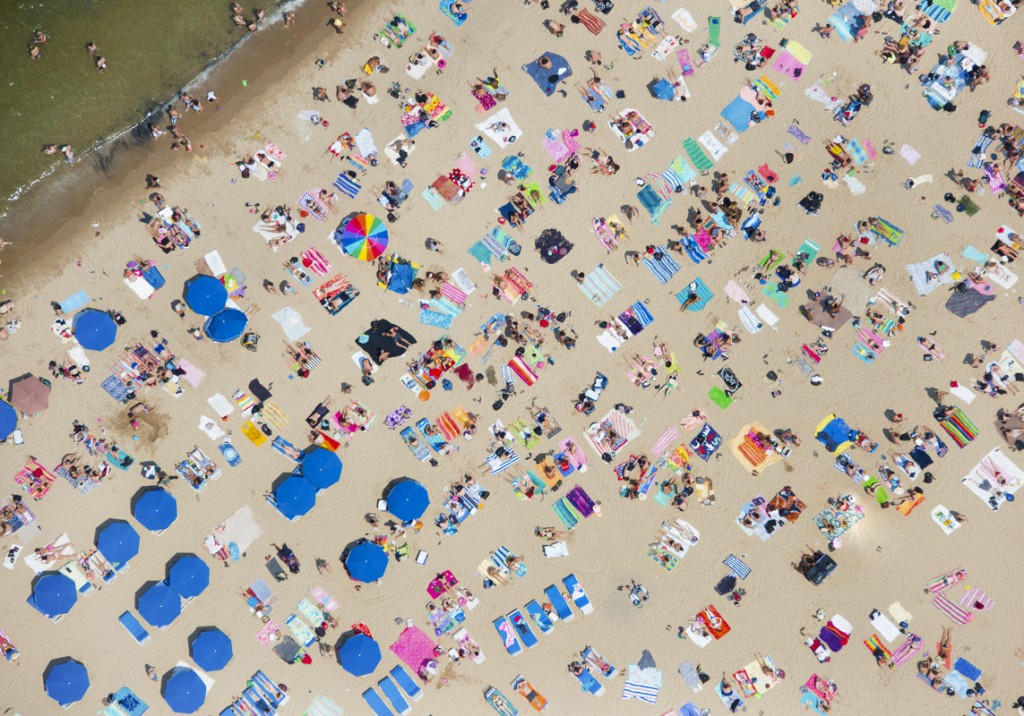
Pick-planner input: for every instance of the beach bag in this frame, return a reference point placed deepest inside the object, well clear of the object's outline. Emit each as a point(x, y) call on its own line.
point(513, 248)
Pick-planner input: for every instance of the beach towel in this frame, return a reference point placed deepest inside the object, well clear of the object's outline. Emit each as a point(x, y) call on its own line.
point(703, 292)
point(700, 160)
point(662, 269)
point(787, 64)
point(959, 427)
point(347, 186)
point(74, 302)
point(926, 277)
point(875, 645)
point(501, 137)
point(653, 203)
point(599, 285)
point(642, 684)
point(910, 154)
point(714, 147)
point(715, 31)
point(956, 613)
point(737, 113)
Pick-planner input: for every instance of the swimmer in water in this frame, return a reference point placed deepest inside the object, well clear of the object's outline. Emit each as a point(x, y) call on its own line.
point(34, 52)
point(50, 149)
point(69, 153)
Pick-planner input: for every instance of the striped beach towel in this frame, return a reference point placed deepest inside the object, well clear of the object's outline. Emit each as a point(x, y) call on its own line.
point(347, 186)
point(960, 427)
point(522, 371)
point(244, 401)
point(497, 463)
point(664, 268)
point(873, 643)
point(681, 168)
point(435, 200)
point(795, 131)
point(453, 293)
point(736, 566)
point(976, 599)
point(799, 52)
point(642, 684)
point(599, 285)
point(569, 515)
point(592, 22)
point(662, 443)
point(907, 649)
point(954, 611)
point(945, 581)
point(272, 413)
point(700, 160)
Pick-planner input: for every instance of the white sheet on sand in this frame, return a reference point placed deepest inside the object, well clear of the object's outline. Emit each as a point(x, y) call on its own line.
point(364, 143)
point(910, 154)
point(981, 480)
point(416, 70)
point(715, 148)
point(142, 288)
point(919, 274)
point(855, 185)
point(221, 405)
point(61, 546)
point(766, 315)
point(241, 528)
point(78, 355)
point(685, 19)
point(210, 427)
point(291, 323)
point(216, 263)
point(392, 153)
point(502, 137)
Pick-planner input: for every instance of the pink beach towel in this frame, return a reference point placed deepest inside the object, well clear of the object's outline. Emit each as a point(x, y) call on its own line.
point(667, 438)
point(685, 63)
point(953, 611)
point(736, 293)
point(557, 149)
point(453, 294)
point(976, 600)
point(414, 648)
point(578, 458)
point(193, 375)
point(788, 65)
point(316, 261)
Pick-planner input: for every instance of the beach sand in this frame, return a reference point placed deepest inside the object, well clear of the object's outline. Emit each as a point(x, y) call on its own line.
point(883, 559)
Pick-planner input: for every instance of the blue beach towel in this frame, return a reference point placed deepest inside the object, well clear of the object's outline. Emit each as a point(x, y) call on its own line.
point(73, 303)
point(436, 319)
point(703, 292)
point(347, 186)
point(663, 269)
point(653, 203)
point(737, 113)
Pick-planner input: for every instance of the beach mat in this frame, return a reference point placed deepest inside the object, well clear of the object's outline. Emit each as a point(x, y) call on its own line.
point(700, 288)
point(663, 269)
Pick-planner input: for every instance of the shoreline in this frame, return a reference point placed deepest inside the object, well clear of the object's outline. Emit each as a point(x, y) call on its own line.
point(100, 175)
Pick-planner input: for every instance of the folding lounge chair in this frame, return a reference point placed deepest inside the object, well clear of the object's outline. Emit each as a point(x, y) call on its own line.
point(410, 687)
point(522, 627)
point(589, 683)
point(507, 632)
point(376, 703)
point(579, 596)
point(393, 695)
point(134, 627)
point(541, 619)
point(558, 602)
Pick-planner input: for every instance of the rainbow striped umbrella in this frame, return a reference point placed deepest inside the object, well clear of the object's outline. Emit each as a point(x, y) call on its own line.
point(364, 237)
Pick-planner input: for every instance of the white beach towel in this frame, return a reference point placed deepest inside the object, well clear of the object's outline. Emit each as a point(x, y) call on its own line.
point(291, 323)
point(416, 70)
point(765, 314)
point(210, 427)
point(714, 147)
point(910, 154)
point(216, 264)
point(364, 143)
point(78, 355)
point(142, 288)
point(889, 631)
point(962, 392)
point(391, 153)
point(240, 528)
point(919, 274)
point(462, 281)
point(503, 138)
point(685, 20)
point(221, 405)
point(749, 320)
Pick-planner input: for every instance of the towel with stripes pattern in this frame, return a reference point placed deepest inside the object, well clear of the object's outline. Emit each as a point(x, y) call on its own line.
point(347, 186)
point(907, 649)
point(662, 443)
point(497, 462)
point(976, 599)
point(642, 684)
point(955, 612)
point(737, 566)
point(704, 294)
point(435, 200)
point(599, 285)
point(664, 268)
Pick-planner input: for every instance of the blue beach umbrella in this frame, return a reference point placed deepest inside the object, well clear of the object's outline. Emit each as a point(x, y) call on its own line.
point(118, 541)
point(226, 326)
point(294, 496)
point(184, 691)
point(205, 295)
point(66, 681)
point(211, 649)
point(322, 467)
point(94, 329)
point(156, 509)
point(188, 576)
point(663, 89)
point(8, 419)
point(159, 605)
point(359, 655)
point(407, 500)
point(366, 562)
point(53, 594)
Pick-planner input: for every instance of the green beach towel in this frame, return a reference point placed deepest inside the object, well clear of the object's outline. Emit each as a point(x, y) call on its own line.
point(810, 249)
point(780, 298)
point(715, 31)
point(697, 155)
point(719, 398)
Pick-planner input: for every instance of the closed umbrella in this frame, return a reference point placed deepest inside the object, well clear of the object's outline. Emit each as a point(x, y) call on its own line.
point(407, 500)
point(366, 562)
point(205, 295)
point(294, 496)
point(30, 395)
point(226, 326)
point(156, 509)
point(66, 681)
point(188, 576)
point(322, 467)
point(359, 655)
point(184, 691)
point(53, 594)
point(8, 420)
point(211, 649)
point(94, 329)
point(159, 605)
point(118, 541)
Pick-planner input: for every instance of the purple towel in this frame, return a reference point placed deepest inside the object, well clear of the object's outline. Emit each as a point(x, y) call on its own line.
point(581, 501)
point(830, 638)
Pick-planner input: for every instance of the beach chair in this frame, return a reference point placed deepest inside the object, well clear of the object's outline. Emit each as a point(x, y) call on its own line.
point(410, 687)
point(541, 619)
point(507, 632)
point(558, 602)
point(134, 627)
point(376, 703)
point(393, 695)
point(522, 628)
point(579, 596)
point(589, 683)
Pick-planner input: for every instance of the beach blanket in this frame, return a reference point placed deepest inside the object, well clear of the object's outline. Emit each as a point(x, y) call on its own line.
point(662, 269)
point(642, 684)
point(968, 301)
point(787, 64)
point(703, 292)
point(599, 285)
point(714, 147)
point(654, 203)
point(493, 129)
point(737, 113)
point(925, 274)
point(706, 443)
point(955, 612)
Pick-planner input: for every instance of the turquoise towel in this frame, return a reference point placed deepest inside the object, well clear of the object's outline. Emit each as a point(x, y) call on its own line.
point(702, 291)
